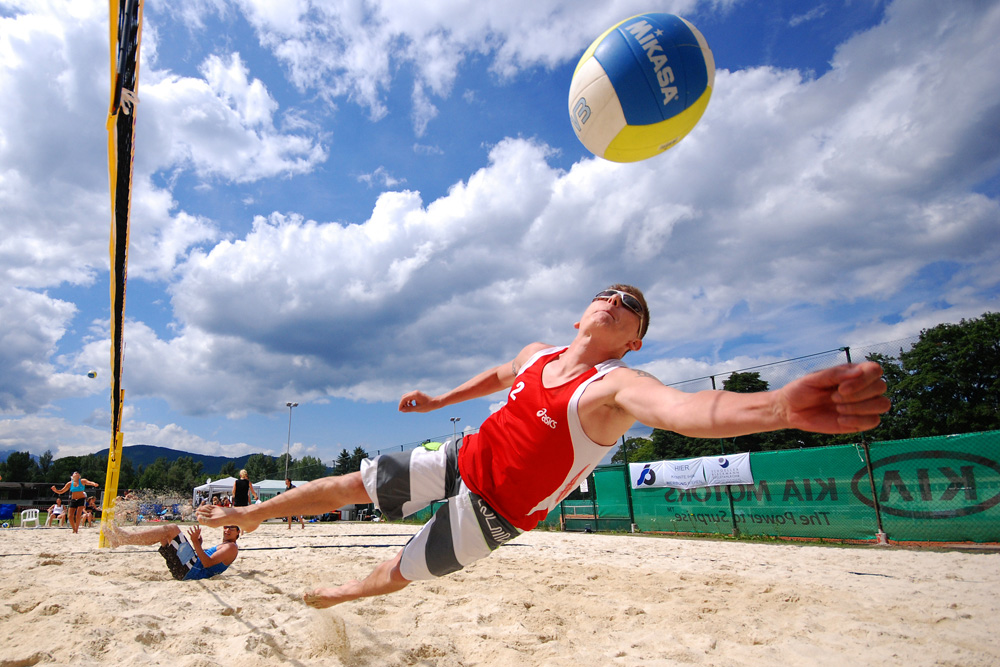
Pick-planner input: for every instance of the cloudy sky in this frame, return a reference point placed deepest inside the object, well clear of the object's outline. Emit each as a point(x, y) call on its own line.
point(336, 202)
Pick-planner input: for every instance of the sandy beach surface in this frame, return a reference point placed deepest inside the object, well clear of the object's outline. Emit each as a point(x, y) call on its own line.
point(546, 599)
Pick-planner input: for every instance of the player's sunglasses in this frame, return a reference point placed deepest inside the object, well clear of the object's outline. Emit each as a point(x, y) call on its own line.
point(628, 301)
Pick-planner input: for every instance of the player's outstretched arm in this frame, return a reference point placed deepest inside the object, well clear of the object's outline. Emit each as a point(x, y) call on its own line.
point(843, 399)
point(486, 383)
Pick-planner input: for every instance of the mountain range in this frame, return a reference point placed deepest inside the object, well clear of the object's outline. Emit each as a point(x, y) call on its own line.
point(144, 455)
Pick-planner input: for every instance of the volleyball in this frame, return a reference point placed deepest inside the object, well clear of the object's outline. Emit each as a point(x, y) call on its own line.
point(641, 87)
point(91, 374)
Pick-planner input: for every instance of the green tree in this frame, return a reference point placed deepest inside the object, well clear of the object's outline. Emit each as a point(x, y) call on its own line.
point(183, 474)
point(127, 476)
point(19, 467)
point(310, 468)
point(62, 468)
point(93, 467)
point(280, 467)
point(262, 466)
point(228, 469)
point(947, 383)
point(634, 450)
point(90, 467)
point(343, 464)
point(44, 464)
point(154, 476)
point(357, 456)
point(668, 445)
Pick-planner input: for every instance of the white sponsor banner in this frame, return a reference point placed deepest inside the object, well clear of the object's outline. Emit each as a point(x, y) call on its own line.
point(685, 474)
point(728, 470)
point(692, 473)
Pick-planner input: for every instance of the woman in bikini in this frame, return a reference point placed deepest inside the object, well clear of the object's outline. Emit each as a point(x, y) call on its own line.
point(77, 487)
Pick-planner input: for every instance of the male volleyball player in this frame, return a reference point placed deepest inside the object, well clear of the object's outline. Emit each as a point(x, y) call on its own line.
point(186, 559)
point(566, 407)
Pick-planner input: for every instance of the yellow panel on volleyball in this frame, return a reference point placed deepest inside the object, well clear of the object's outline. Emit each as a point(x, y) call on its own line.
point(638, 142)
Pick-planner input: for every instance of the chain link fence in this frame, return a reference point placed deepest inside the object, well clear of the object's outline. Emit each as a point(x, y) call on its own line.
point(779, 373)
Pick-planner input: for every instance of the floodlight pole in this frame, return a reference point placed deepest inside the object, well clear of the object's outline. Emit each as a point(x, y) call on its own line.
point(454, 428)
point(288, 444)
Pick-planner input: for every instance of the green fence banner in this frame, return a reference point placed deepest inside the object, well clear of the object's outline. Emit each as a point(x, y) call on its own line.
point(936, 489)
point(805, 493)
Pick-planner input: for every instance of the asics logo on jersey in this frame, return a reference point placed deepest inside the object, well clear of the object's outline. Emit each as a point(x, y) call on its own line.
point(548, 421)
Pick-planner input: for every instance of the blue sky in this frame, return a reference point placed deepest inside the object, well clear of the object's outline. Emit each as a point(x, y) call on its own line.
point(338, 202)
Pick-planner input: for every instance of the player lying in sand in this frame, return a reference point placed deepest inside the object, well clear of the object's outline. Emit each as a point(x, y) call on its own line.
point(186, 559)
point(567, 406)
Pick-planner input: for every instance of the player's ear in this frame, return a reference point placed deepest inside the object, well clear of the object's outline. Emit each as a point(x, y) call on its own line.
point(635, 345)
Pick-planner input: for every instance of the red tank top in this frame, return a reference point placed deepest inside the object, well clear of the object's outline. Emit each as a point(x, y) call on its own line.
point(532, 453)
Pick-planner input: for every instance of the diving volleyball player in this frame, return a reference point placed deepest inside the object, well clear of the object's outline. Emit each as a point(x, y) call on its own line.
point(566, 407)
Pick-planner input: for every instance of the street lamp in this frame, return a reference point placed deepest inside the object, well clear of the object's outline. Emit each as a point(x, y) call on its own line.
point(288, 444)
point(454, 428)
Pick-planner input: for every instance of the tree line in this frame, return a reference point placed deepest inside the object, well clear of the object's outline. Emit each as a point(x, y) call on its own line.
point(177, 476)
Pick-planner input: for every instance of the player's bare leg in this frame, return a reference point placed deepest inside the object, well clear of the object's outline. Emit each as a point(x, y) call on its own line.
point(143, 536)
point(383, 580)
point(316, 497)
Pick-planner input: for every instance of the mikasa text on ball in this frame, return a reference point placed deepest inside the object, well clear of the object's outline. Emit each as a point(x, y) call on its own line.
point(641, 87)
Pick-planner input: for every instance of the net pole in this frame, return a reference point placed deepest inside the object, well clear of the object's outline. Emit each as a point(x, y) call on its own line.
point(125, 30)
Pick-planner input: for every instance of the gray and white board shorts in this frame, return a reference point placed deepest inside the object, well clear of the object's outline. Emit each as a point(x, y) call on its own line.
point(460, 532)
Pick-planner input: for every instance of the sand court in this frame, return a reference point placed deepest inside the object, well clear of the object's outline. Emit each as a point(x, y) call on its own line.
point(546, 599)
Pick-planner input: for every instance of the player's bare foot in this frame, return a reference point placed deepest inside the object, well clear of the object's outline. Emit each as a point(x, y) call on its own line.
point(214, 516)
point(321, 598)
point(112, 535)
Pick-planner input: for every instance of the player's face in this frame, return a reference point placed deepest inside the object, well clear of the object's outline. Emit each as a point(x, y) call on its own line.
point(623, 308)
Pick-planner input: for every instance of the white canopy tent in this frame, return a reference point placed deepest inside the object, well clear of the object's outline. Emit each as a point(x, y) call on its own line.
point(209, 489)
point(269, 488)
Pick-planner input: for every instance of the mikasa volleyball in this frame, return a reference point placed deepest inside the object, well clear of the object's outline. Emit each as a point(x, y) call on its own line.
point(641, 87)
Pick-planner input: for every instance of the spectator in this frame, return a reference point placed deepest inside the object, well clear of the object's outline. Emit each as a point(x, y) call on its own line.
point(242, 488)
point(56, 511)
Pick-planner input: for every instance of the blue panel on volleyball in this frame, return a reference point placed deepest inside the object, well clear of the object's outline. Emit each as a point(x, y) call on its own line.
point(631, 86)
point(637, 88)
point(694, 75)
